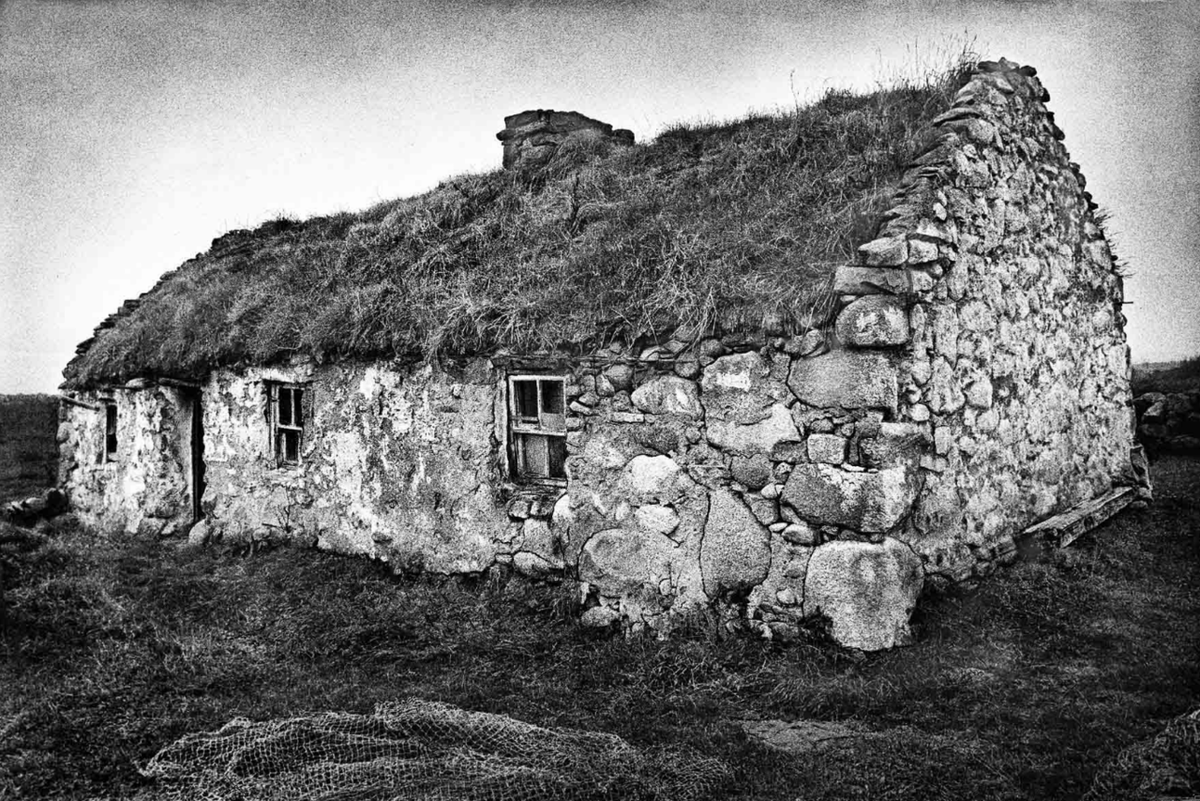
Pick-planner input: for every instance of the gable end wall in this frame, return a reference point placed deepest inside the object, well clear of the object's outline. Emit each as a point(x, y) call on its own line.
point(1018, 364)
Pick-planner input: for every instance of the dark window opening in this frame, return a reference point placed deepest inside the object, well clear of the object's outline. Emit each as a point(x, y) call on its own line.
point(110, 431)
point(287, 405)
point(290, 446)
point(525, 395)
point(197, 456)
point(538, 427)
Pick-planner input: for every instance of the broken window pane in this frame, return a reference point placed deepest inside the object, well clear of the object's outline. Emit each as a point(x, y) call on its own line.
point(556, 457)
point(291, 446)
point(298, 408)
point(525, 397)
point(552, 397)
point(536, 461)
point(285, 406)
point(537, 443)
point(541, 456)
point(287, 423)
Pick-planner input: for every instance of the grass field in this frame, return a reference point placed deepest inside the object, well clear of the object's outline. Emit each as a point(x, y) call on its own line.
point(1021, 688)
point(28, 445)
point(1182, 377)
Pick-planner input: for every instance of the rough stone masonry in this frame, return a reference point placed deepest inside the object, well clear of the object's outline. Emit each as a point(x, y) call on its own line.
point(974, 381)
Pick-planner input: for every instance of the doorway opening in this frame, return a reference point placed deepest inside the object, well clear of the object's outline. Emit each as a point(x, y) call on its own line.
point(197, 456)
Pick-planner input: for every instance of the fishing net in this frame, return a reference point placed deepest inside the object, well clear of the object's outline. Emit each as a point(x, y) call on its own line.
point(1166, 766)
point(416, 749)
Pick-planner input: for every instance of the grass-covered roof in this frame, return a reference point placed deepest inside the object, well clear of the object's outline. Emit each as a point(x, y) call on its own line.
point(716, 227)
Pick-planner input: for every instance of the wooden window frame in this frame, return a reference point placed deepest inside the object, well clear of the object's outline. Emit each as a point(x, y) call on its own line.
point(521, 428)
point(294, 423)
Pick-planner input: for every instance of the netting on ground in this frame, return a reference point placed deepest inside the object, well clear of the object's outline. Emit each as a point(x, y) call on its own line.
point(1167, 766)
point(415, 749)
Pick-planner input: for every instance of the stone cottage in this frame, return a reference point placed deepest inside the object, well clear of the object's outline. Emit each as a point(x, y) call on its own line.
point(964, 377)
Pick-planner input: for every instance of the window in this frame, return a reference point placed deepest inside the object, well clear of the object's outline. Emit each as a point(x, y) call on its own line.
point(110, 431)
point(537, 427)
point(287, 422)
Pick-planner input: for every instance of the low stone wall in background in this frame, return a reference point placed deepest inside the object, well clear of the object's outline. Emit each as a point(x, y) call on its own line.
point(1169, 422)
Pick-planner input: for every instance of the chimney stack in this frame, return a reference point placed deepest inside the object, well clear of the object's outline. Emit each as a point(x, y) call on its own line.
point(531, 137)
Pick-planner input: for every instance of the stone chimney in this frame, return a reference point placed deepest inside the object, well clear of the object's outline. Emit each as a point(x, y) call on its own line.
point(531, 137)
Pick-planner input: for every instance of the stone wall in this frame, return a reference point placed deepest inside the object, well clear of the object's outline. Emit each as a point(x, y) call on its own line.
point(760, 478)
point(145, 486)
point(976, 382)
point(399, 463)
point(1169, 421)
point(703, 474)
point(994, 277)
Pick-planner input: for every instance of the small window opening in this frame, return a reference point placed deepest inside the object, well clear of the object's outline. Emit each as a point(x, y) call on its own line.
point(110, 431)
point(287, 413)
point(538, 427)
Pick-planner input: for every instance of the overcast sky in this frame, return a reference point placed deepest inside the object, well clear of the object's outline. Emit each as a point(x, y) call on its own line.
point(133, 133)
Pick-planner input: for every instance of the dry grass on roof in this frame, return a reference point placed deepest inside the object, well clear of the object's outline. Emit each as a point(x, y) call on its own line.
point(722, 226)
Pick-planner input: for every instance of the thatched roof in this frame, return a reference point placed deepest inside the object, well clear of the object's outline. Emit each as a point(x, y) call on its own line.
point(717, 227)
